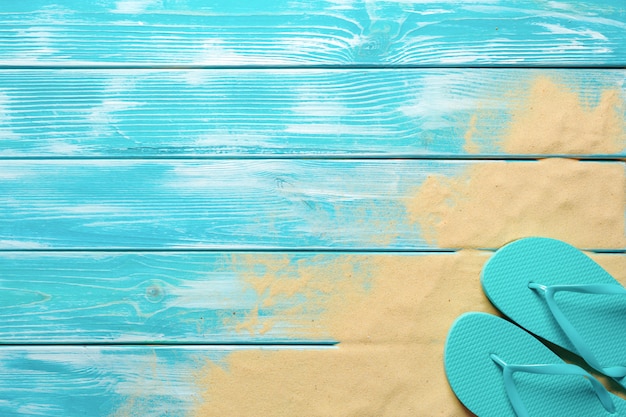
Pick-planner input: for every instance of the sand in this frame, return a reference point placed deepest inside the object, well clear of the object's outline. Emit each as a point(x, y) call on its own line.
point(392, 333)
point(549, 117)
point(554, 120)
point(494, 203)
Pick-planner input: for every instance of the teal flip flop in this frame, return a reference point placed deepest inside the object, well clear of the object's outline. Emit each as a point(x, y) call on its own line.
point(497, 369)
point(558, 293)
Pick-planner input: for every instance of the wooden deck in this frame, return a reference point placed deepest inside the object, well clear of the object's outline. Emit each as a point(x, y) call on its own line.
point(278, 208)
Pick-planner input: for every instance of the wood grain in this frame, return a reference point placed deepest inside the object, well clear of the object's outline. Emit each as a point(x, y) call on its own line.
point(227, 204)
point(103, 381)
point(272, 113)
point(221, 298)
point(175, 297)
point(321, 33)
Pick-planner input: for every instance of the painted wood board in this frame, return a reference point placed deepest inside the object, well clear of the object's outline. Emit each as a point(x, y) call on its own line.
point(229, 204)
point(176, 297)
point(102, 381)
point(288, 204)
point(305, 113)
point(321, 33)
point(205, 298)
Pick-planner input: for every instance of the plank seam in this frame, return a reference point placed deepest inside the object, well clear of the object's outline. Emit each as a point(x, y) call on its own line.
point(347, 67)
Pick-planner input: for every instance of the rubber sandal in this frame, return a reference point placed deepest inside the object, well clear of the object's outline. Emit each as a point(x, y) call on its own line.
point(497, 369)
point(558, 293)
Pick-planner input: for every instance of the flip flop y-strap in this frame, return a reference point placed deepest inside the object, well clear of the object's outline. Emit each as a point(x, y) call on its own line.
point(583, 350)
point(547, 369)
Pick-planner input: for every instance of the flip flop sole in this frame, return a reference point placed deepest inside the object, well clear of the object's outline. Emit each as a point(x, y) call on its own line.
point(478, 381)
point(599, 319)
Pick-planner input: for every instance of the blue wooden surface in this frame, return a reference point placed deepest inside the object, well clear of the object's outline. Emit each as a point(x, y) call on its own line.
point(145, 145)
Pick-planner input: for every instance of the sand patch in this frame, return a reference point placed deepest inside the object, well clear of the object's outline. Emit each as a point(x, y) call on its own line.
point(551, 118)
point(303, 291)
point(390, 359)
point(494, 203)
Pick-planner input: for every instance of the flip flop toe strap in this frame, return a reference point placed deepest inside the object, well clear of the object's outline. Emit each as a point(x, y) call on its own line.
point(547, 369)
point(572, 334)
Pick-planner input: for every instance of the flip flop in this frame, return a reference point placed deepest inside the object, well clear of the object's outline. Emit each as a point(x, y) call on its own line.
point(558, 293)
point(497, 369)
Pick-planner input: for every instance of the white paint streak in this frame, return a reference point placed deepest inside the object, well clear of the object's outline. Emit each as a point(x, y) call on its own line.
point(21, 244)
point(6, 119)
point(336, 129)
point(559, 5)
point(93, 209)
point(133, 6)
point(463, 2)
point(102, 118)
point(236, 175)
point(215, 52)
point(193, 77)
point(557, 29)
point(593, 16)
point(9, 173)
point(63, 148)
point(137, 373)
point(438, 99)
point(322, 108)
point(434, 11)
point(341, 4)
point(211, 294)
point(39, 41)
point(226, 141)
point(311, 101)
point(39, 409)
point(459, 58)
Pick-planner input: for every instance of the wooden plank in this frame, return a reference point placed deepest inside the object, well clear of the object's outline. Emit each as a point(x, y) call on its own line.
point(107, 297)
point(320, 113)
point(204, 298)
point(265, 204)
point(329, 32)
point(101, 381)
point(303, 204)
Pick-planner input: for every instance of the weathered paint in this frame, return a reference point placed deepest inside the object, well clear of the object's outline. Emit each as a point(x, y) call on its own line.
point(103, 381)
point(320, 33)
point(175, 297)
point(275, 113)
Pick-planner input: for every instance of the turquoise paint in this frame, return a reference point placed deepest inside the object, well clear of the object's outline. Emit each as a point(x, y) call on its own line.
point(165, 297)
point(284, 33)
point(159, 204)
point(100, 381)
point(269, 113)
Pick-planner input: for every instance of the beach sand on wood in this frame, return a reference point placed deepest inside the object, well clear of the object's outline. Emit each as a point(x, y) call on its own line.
point(494, 203)
point(548, 116)
point(390, 359)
